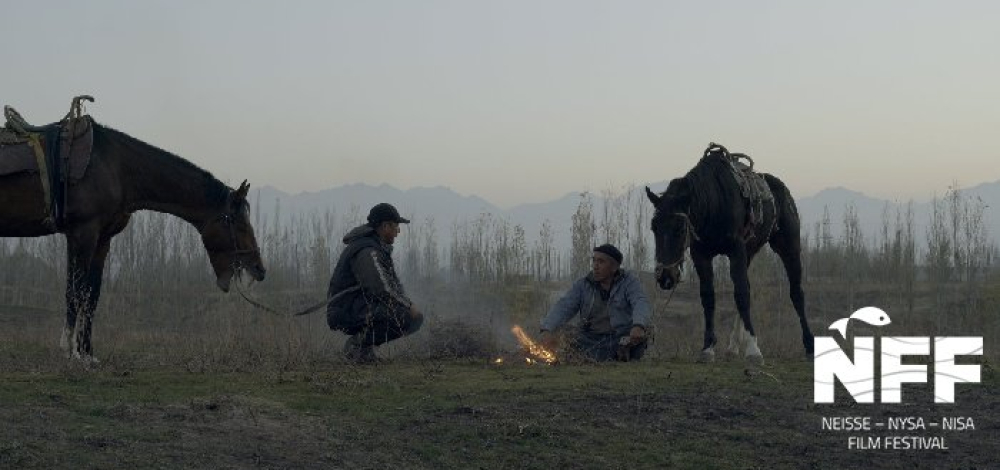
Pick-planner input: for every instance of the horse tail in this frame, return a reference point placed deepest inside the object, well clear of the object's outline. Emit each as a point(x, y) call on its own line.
point(785, 209)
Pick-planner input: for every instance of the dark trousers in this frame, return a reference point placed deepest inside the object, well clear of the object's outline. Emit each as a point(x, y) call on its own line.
point(384, 323)
point(605, 347)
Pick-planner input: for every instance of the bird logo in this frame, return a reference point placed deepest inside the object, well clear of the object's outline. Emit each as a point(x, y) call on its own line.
point(870, 315)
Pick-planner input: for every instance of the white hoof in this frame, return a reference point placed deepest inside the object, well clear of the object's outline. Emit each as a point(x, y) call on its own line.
point(707, 355)
point(85, 359)
point(753, 352)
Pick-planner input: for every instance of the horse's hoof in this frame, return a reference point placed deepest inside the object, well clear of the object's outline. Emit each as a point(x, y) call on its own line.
point(755, 360)
point(706, 356)
point(85, 359)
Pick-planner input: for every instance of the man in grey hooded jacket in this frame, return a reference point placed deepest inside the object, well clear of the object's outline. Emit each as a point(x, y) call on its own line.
point(369, 302)
point(614, 312)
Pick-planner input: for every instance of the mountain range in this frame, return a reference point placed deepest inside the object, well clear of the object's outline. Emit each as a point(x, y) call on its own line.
point(445, 208)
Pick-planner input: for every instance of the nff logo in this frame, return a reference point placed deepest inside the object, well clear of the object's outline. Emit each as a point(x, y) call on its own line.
point(858, 376)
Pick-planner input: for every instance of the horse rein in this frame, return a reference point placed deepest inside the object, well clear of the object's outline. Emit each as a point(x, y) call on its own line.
point(689, 233)
point(237, 266)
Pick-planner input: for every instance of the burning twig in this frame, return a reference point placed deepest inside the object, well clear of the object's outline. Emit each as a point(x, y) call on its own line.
point(532, 350)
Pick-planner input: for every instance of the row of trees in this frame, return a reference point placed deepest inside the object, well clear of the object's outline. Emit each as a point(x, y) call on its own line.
point(159, 252)
point(492, 271)
point(492, 249)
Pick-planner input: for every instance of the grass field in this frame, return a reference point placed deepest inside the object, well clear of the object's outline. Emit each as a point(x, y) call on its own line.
point(457, 414)
point(191, 378)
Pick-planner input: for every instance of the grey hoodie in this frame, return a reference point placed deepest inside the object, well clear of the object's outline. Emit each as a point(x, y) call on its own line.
point(627, 304)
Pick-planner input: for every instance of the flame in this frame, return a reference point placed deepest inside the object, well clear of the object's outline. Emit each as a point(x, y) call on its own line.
point(534, 350)
point(498, 360)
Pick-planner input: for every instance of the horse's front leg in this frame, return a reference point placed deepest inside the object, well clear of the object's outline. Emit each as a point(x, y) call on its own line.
point(738, 266)
point(706, 286)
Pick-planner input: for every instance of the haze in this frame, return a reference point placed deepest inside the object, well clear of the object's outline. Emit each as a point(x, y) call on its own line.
point(524, 101)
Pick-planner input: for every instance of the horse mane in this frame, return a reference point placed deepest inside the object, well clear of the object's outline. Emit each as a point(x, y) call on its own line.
point(712, 186)
point(705, 193)
point(215, 190)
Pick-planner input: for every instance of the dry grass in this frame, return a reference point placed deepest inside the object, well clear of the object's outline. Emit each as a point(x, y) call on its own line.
point(192, 378)
point(221, 333)
point(453, 414)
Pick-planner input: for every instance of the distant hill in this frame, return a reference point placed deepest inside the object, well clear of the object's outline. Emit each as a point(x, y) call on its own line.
point(447, 207)
point(870, 210)
point(439, 202)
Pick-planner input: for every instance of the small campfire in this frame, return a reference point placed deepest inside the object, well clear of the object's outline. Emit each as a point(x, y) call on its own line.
point(531, 352)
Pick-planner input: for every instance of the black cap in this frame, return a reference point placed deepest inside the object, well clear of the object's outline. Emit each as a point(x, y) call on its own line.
point(384, 213)
point(611, 251)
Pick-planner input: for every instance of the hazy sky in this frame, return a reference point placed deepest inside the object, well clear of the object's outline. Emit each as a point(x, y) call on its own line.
point(524, 101)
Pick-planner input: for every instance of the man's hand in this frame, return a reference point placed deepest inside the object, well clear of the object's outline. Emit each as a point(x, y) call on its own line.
point(637, 335)
point(548, 340)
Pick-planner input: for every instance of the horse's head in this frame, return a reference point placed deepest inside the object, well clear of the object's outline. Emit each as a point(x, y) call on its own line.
point(230, 240)
point(672, 231)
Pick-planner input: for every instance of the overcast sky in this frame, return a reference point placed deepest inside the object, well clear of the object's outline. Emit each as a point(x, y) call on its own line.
point(524, 101)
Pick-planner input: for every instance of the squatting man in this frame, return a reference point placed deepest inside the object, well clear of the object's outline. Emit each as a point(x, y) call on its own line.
point(368, 301)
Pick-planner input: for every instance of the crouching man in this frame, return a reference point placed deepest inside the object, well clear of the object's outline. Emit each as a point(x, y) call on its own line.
point(614, 312)
point(369, 302)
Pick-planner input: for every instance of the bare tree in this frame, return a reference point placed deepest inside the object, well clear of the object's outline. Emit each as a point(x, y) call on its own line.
point(582, 231)
point(546, 261)
point(854, 253)
point(907, 255)
point(939, 249)
point(640, 254)
point(429, 251)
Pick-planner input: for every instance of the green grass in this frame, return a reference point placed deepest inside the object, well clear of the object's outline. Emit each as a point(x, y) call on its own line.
point(455, 414)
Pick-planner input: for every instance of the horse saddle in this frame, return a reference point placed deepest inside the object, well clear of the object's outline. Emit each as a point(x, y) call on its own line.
point(19, 143)
point(753, 187)
point(59, 152)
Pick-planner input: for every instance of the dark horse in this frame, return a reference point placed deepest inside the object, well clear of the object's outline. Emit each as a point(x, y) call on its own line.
point(126, 175)
point(706, 210)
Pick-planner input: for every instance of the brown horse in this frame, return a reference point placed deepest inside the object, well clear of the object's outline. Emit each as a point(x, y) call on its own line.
point(126, 175)
point(706, 211)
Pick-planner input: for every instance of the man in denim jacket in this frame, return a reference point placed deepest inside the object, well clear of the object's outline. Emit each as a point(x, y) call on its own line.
point(614, 312)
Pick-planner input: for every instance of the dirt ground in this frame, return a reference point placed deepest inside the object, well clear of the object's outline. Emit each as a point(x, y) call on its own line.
point(464, 414)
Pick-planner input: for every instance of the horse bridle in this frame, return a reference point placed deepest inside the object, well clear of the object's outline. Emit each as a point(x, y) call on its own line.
point(228, 219)
point(689, 233)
